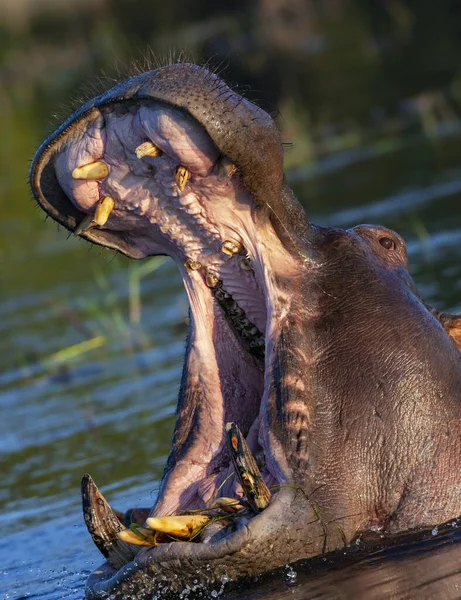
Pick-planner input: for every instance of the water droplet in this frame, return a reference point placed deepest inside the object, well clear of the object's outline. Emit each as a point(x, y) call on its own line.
point(291, 573)
point(435, 531)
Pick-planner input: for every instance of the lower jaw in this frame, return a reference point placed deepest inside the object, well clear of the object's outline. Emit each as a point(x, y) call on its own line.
point(267, 541)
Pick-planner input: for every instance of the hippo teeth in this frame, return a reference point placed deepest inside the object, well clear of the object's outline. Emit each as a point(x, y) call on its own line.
point(141, 536)
point(104, 525)
point(103, 210)
point(239, 321)
point(100, 217)
point(229, 505)
point(147, 149)
point(181, 177)
point(231, 247)
point(180, 526)
point(185, 199)
point(94, 170)
point(254, 487)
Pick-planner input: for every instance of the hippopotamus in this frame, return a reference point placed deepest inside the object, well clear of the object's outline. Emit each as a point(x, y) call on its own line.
point(313, 340)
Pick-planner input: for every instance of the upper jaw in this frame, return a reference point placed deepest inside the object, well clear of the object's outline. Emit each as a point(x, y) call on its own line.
point(242, 132)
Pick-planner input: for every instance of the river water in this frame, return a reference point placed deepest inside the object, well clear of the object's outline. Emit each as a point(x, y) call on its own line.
point(89, 377)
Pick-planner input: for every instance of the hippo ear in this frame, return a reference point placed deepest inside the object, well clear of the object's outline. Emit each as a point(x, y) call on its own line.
point(451, 324)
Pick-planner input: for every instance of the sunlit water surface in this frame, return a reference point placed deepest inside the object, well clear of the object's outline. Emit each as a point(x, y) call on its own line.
point(108, 407)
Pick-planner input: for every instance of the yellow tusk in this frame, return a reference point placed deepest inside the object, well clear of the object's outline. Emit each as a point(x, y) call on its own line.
point(181, 526)
point(148, 149)
point(94, 170)
point(141, 536)
point(103, 210)
point(229, 505)
point(231, 247)
point(181, 176)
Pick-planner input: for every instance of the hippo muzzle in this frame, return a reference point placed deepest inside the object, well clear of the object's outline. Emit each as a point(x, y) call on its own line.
point(313, 341)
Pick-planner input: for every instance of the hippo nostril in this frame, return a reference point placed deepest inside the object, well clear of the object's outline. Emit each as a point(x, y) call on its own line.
point(387, 243)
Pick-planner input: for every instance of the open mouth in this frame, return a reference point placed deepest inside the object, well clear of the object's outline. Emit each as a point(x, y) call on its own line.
point(143, 175)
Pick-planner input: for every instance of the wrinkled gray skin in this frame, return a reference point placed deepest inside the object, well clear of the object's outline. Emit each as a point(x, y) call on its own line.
point(356, 404)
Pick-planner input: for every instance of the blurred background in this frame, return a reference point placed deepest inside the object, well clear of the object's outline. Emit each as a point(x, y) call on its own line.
point(368, 98)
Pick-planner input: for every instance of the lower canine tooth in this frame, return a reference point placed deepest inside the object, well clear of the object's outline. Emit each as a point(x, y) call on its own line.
point(181, 526)
point(103, 210)
point(94, 170)
point(147, 149)
point(181, 176)
point(104, 525)
point(254, 486)
point(230, 247)
point(221, 295)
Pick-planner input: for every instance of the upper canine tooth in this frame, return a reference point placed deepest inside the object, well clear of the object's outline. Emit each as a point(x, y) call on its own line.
point(231, 247)
point(103, 210)
point(148, 149)
point(181, 526)
point(181, 176)
point(226, 167)
point(94, 170)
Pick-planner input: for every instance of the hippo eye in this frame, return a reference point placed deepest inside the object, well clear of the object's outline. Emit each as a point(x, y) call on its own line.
point(387, 243)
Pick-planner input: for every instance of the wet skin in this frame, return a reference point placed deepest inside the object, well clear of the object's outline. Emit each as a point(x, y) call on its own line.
point(313, 340)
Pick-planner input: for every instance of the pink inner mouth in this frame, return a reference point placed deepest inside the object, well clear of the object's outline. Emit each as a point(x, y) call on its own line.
point(224, 371)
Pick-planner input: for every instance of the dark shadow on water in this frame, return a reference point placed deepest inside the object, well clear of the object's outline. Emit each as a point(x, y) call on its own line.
point(415, 569)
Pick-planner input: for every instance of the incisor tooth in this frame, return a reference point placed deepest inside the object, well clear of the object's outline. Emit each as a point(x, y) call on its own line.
point(103, 210)
point(181, 526)
point(231, 247)
point(94, 170)
point(148, 149)
point(229, 505)
point(181, 176)
point(140, 536)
